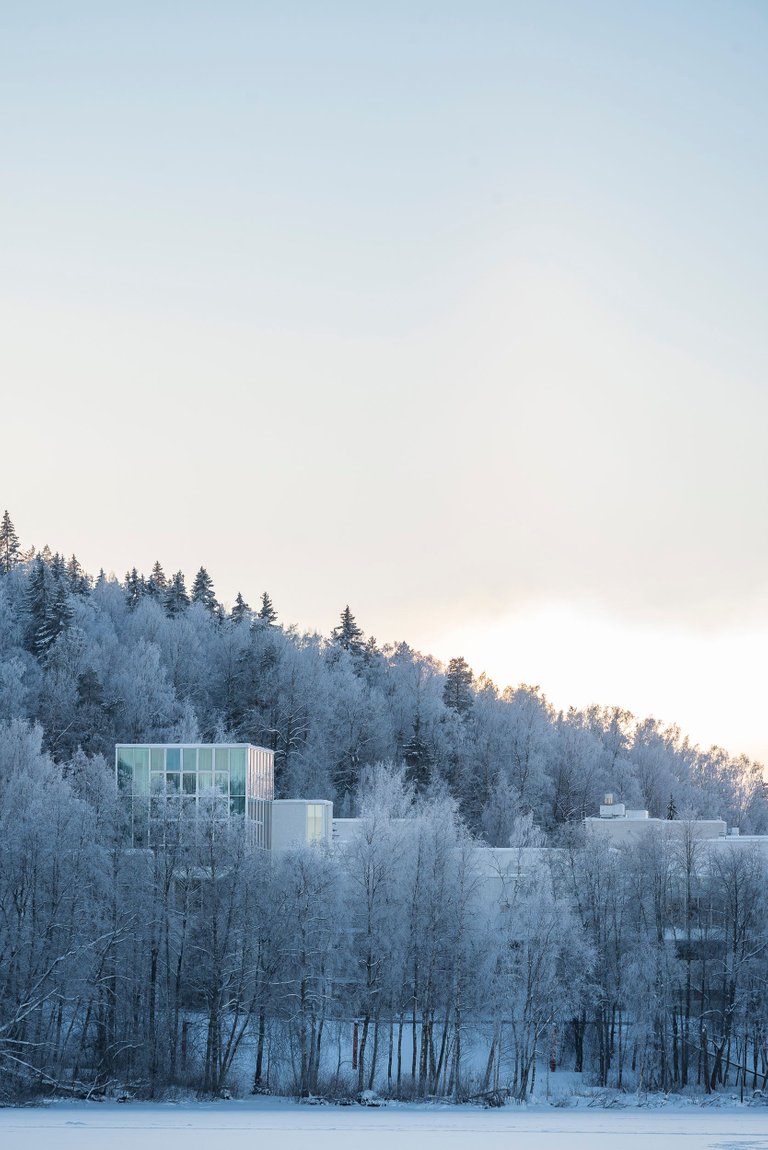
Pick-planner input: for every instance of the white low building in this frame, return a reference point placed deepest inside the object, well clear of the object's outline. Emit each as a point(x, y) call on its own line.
point(298, 822)
point(617, 824)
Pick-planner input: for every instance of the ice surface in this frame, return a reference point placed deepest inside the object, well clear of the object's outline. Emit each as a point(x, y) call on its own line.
point(267, 1123)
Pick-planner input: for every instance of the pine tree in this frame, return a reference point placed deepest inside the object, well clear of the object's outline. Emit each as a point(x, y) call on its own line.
point(157, 584)
point(347, 634)
point(418, 758)
point(10, 552)
point(79, 582)
point(134, 587)
point(89, 689)
point(202, 590)
point(267, 615)
point(48, 606)
point(240, 611)
point(176, 598)
point(457, 690)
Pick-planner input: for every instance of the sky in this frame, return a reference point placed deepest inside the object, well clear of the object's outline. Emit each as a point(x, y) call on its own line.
point(454, 312)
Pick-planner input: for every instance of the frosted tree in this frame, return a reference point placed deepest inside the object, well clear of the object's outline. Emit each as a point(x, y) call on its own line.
point(157, 584)
point(134, 587)
point(457, 690)
point(267, 615)
point(10, 552)
point(347, 634)
point(240, 612)
point(202, 591)
point(176, 599)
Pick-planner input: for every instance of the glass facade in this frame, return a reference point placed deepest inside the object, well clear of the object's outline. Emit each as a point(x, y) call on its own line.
point(237, 778)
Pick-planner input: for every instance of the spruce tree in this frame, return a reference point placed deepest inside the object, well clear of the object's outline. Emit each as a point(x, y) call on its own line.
point(347, 634)
point(457, 689)
point(240, 611)
point(418, 758)
point(79, 582)
point(49, 608)
point(267, 615)
point(672, 808)
point(58, 566)
point(157, 584)
point(202, 590)
point(134, 587)
point(176, 598)
point(10, 552)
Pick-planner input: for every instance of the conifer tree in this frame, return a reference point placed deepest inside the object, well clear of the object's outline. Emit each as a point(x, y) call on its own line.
point(176, 598)
point(10, 553)
point(58, 566)
point(202, 590)
point(49, 609)
point(240, 611)
point(457, 690)
point(418, 759)
point(347, 634)
point(157, 584)
point(267, 615)
point(79, 582)
point(671, 808)
point(134, 587)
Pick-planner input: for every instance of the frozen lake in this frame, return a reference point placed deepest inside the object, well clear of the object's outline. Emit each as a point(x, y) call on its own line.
point(286, 1126)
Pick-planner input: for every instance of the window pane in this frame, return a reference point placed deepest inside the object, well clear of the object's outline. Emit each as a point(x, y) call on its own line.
point(222, 782)
point(237, 806)
point(190, 783)
point(222, 758)
point(189, 756)
point(157, 758)
point(172, 782)
point(125, 768)
point(205, 780)
point(141, 775)
point(158, 783)
point(237, 770)
point(204, 759)
point(173, 759)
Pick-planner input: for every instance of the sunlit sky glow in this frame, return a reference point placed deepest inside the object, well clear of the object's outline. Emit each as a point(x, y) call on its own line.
point(451, 311)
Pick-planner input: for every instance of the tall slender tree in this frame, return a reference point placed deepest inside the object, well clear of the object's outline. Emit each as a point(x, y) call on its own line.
point(176, 597)
point(347, 634)
point(202, 590)
point(240, 611)
point(457, 690)
point(267, 615)
point(157, 584)
point(10, 552)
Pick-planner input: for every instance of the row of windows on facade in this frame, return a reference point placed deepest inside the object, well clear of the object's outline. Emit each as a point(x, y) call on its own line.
point(151, 821)
point(194, 770)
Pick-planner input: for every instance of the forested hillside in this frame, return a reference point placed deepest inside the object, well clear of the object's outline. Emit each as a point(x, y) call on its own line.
point(97, 660)
point(211, 966)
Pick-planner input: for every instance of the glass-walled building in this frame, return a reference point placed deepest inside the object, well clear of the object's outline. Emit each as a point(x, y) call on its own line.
point(236, 778)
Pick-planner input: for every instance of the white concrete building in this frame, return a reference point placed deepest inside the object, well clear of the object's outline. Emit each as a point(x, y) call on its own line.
point(617, 825)
point(297, 822)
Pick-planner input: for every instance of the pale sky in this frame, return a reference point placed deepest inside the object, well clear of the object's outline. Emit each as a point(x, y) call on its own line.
point(451, 311)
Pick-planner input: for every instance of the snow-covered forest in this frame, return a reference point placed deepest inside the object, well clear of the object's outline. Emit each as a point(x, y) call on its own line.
point(641, 967)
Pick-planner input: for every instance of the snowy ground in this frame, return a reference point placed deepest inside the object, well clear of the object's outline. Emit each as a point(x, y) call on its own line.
point(286, 1126)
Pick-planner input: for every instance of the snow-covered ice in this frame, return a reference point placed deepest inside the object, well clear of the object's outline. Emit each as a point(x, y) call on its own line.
point(275, 1123)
